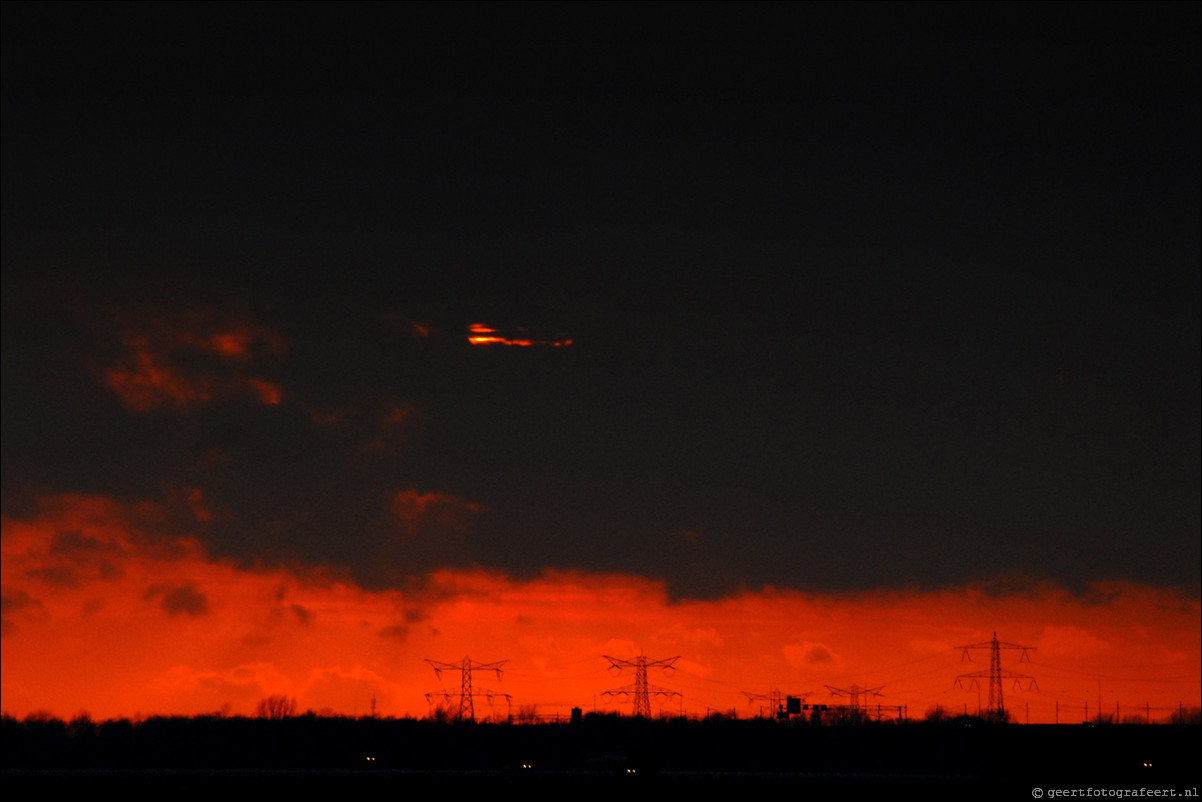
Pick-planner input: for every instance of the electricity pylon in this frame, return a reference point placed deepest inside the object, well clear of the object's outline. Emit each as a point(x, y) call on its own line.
point(855, 694)
point(997, 709)
point(640, 690)
point(467, 710)
point(774, 698)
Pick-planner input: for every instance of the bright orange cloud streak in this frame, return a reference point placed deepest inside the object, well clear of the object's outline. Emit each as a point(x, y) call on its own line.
point(481, 334)
point(108, 610)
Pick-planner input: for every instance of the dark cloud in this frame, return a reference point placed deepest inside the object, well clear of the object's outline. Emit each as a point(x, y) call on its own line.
point(72, 558)
point(396, 632)
point(11, 602)
point(857, 296)
point(181, 600)
point(818, 654)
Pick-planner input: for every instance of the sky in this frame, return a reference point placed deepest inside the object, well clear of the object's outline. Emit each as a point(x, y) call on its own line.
point(803, 343)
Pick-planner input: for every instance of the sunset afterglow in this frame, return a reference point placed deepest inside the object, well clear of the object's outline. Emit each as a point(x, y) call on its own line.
point(138, 619)
point(486, 335)
point(777, 350)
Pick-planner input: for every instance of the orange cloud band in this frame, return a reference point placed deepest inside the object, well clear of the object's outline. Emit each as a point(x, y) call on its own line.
point(109, 610)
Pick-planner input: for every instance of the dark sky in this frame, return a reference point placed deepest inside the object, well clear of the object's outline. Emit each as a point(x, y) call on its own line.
point(858, 295)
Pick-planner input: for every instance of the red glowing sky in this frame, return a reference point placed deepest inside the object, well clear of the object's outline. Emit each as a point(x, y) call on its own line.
point(111, 612)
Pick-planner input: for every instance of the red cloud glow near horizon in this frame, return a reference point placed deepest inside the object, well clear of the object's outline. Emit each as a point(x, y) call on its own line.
point(109, 611)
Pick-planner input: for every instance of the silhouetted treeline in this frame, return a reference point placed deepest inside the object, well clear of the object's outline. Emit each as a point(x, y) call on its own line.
point(966, 748)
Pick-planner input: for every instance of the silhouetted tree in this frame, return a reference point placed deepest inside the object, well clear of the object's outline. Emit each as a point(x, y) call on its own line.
point(937, 714)
point(82, 725)
point(1186, 715)
point(276, 707)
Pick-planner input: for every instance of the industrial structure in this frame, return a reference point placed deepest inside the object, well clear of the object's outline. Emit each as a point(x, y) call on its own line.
point(641, 690)
point(467, 693)
point(995, 673)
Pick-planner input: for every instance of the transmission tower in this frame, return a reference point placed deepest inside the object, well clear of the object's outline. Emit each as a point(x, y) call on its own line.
point(997, 709)
point(855, 694)
point(641, 690)
point(467, 709)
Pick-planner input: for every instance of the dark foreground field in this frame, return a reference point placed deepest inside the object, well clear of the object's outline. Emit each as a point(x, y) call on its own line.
point(200, 757)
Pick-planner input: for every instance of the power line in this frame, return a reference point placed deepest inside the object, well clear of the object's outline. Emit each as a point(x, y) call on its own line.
point(467, 708)
point(997, 708)
point(641, 690)
point(855, 694)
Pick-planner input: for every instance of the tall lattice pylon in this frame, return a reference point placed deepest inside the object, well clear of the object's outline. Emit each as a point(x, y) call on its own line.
point(855, 694)
point(774, 698)
point(997, 707)
point(467, 708)
point(641, 690)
